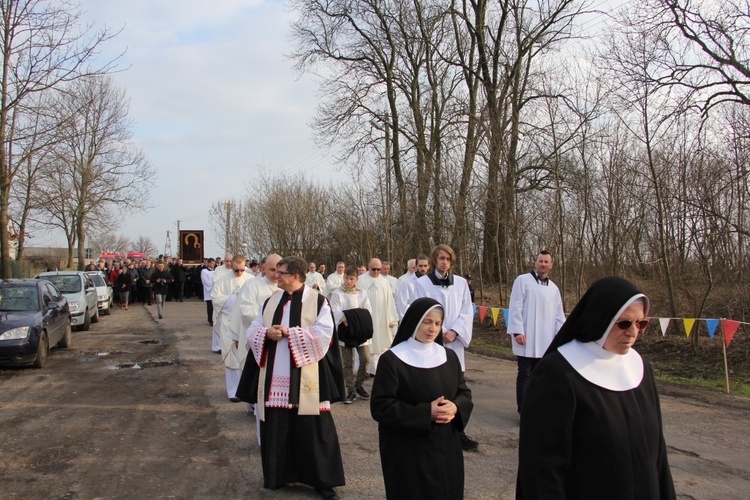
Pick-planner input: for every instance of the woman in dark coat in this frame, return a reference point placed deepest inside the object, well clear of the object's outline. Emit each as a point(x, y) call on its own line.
point(421, 402)
point(591, 424)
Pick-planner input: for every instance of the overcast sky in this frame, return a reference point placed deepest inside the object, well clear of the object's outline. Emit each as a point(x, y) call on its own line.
point(213, 98)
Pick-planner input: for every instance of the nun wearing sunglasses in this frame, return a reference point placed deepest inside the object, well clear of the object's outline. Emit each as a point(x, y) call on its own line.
point(591, 425)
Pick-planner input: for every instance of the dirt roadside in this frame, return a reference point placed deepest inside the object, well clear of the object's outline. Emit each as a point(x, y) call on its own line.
point(90, 425)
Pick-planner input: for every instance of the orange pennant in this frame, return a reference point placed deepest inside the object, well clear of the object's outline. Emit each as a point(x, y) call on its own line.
point(482, 313)
point(730, 328)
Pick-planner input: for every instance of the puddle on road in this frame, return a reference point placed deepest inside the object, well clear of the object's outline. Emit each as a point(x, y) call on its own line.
point(144, 364)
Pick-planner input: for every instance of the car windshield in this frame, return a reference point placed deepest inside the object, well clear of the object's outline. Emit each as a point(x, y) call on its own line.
point(18, 298)
point(65, 283)
point(97, 279)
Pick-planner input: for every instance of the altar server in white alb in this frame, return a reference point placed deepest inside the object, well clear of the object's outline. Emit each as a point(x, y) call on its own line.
point(384, 315)
point(535, 315)
point(335, 280)
point(251, 297)
point(314, 279)
point(224, 297)
point(452, 292)
point(407, 289)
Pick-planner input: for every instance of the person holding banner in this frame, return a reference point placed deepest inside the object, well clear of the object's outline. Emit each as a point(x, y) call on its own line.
point(591, 423)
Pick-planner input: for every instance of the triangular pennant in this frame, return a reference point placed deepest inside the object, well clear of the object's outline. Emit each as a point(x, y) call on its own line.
point(475, 310)
point(711, 324)
point(664, 323)
point(482, 313)
point(495, 313)
point(730, 328)
point(688, 322)
point(505, 316)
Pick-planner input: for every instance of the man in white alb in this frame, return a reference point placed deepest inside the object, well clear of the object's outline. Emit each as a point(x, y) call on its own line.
point(335, 280)
point(314, 279)
point(384, 315)
point(535, 314)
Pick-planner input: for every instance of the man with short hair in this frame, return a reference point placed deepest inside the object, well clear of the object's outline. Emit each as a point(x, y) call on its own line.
point(225, 269)
point(406, 292)
point(294, 374)
point(535, 314)
point(322, 271)
point(335, 280)
point(411, 267)
point(393, 282)
point(384, 315)
point(224, 296)
point(207, 281)
point(314, 279)
point(179, 275)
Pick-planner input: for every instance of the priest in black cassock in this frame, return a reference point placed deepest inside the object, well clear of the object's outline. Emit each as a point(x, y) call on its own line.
point(591, 422)
point(421, 402)
point(294, 374)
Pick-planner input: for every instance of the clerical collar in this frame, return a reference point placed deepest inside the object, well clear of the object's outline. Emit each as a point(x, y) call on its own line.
point(541, 281)
point(615, 372)
point(438, 280)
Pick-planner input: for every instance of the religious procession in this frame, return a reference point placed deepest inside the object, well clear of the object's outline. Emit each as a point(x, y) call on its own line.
point(295, 340)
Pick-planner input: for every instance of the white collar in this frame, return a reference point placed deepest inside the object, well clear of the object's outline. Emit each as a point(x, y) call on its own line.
point(419, 354)
point(616, 372)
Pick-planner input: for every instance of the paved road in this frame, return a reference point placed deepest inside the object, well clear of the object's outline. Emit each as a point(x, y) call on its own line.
point(168, 431)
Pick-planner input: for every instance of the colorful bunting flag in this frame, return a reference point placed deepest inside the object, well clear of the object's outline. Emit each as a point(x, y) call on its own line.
point(730, 328)
point(475, 310)
point(664, 323)
point(505, 316)
point(688, 322)
point(711, 324)
point(482, 313)
point(495, 314)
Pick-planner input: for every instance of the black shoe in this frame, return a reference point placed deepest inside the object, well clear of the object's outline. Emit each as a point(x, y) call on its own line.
point(363, 393)
point(211, 323)
point(468, 444)
point(234, 400)
point(350, 398)
point(160, 316)
point(326, 493)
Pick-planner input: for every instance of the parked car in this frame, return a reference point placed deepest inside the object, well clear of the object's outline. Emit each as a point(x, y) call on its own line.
point(103, 291)
point(80, 291)
point(34, 316)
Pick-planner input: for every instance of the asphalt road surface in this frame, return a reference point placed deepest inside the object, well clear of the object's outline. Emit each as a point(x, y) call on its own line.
point(137, 408)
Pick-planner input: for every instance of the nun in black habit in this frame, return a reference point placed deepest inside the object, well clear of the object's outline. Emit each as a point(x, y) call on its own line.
point(421, 402)
point(591, 425)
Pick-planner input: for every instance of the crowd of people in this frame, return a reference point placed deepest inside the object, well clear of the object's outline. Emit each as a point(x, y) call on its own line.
point(294, 340)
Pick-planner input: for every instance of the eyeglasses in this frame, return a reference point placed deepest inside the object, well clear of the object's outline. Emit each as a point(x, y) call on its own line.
point(376, 269)
point(238, 271)
point(626, 324)
point(283, 272)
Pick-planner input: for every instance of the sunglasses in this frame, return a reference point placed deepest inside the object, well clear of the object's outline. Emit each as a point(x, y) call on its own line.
point(626, 324)
point(238, 271)
point(283, 272)
point(377, 269)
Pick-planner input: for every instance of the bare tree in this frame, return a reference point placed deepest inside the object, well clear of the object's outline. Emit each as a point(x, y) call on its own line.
point(143, 244)
point(103, 170)
point(42, 48)
point(107, 242)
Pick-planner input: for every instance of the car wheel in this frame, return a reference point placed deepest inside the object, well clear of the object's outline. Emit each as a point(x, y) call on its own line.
point(42, 351)
point(95, 317)
point(67, 338)
point(86, 322)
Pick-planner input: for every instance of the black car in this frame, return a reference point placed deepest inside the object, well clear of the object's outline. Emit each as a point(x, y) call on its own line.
point(33, 317)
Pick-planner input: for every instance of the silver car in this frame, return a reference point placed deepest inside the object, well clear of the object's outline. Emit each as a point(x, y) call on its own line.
point(79, 289)
point(103, 292)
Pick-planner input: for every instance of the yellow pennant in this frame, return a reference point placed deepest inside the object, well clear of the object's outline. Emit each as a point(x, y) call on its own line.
point(688, 322)
point(495, 313)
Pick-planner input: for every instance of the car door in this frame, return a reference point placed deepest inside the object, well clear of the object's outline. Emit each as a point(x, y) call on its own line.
point(91, 295)
point(55, 318)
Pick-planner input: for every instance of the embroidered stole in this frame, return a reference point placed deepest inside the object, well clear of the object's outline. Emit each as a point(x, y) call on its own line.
point(309, 397)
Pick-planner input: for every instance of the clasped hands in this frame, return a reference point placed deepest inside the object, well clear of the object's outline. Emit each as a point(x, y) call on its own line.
point(442, 411)
point(276, 332)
